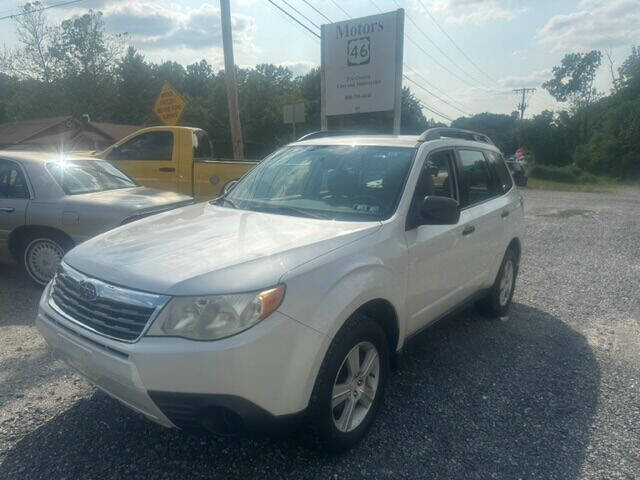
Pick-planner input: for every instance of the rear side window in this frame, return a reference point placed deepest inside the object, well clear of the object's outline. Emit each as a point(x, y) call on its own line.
point(501, 173)
point(146, 146)
point(202, 149)
point(12, 182)
point(476, 186)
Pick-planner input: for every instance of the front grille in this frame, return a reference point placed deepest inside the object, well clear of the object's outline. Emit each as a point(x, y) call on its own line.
point(108, 310)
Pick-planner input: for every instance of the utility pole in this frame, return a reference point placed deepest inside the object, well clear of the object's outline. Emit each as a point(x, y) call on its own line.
point(522, 106)
point(230, 75)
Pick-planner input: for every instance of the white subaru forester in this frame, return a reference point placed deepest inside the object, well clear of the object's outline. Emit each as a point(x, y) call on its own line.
point(289, 297)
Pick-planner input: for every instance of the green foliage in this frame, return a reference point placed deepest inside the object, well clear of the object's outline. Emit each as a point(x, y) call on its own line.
point(573, 78)
point(565, 174)
point(500, 128)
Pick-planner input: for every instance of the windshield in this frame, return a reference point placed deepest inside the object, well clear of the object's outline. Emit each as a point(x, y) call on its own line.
point(330, 182)
point(86, 176)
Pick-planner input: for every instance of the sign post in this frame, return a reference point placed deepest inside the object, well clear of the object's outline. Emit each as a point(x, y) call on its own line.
point(293, 113)
point(169, 105)
point(362, 66)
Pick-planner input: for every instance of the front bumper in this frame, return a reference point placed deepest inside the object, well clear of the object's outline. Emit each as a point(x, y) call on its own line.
point(260, 375)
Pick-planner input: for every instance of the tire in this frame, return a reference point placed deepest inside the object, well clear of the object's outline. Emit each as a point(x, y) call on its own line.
point(330, 428)
point(498, 301)
point(41, 254)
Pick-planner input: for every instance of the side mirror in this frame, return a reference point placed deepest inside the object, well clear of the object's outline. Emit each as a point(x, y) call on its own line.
point(229, 186)
point(436, 210)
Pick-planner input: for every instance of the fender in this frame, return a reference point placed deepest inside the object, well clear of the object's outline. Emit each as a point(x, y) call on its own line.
point(314, 297)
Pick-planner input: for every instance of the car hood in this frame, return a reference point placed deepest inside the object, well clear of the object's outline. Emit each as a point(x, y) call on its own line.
point(205, 249)
point(135, 199)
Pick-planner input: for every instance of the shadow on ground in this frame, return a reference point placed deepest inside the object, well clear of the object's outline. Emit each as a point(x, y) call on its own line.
point(18, 296)
point(473, 398)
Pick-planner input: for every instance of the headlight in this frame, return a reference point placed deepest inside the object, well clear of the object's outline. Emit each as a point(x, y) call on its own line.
point(214, 317)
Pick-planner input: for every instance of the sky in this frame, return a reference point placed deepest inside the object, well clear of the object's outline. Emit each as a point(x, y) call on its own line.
point(478, 50)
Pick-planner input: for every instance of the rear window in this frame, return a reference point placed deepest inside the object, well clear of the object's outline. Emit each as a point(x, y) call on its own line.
point(202, 149)
point(87, 176)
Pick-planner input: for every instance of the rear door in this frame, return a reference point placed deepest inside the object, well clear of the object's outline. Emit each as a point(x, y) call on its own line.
point(482, 234)
point(151, 159)
point(14, 198)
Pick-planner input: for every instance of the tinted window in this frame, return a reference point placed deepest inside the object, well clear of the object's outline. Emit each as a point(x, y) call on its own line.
point(88, 176)
point(500, 171)
point(436, 179)
point(332, 182)
point(201, 145)
point(147, 146)
point(12, 182)
point(476, 181)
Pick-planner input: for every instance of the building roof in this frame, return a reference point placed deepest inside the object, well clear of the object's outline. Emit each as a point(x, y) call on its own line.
point(63, 130)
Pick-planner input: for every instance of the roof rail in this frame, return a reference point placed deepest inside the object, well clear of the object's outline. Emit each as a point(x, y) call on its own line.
point(446, 132)
point(332, 133)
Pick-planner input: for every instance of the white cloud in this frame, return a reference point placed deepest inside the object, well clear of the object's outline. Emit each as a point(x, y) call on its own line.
point(478, 11)
point(156, 25)
point(533, 79)
point(299, 67)
point(595, 24)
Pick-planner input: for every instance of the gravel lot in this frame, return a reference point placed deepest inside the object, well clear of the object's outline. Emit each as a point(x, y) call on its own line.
point(551, 392)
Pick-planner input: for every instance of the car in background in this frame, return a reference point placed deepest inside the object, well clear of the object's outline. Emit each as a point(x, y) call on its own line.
point(49, 204)
point(518, 171)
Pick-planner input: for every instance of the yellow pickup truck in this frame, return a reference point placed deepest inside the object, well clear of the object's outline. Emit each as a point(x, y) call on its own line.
point(178, 159)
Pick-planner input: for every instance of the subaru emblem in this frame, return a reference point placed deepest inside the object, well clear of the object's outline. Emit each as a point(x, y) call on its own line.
point(87, 291)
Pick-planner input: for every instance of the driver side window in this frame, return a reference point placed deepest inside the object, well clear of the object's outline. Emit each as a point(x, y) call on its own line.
point(436, 178)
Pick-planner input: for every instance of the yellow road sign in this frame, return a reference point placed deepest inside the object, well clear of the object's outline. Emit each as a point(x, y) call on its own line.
point(169, 105)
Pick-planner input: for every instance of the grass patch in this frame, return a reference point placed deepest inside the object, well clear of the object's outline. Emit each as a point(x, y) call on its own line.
point(601, 185)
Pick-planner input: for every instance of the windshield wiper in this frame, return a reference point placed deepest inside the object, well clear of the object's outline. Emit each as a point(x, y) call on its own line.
point(293, 210)
point(225, 199)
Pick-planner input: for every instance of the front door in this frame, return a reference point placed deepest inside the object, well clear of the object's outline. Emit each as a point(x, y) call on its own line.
point(14, 198)
point(434, 250)
point(151, 159)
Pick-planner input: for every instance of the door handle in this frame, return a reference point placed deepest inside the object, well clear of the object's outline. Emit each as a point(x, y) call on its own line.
point(468, 230)
point(167, 169)
point(504, 214)
point(7, 209)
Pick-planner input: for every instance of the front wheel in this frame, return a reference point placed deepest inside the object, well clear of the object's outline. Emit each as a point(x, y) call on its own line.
point(41, 258)
point(350, 385)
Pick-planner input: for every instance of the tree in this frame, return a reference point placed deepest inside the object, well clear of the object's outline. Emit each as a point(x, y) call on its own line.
point(81, 47)
point(32, 59)
point(573, 79)
point(135, 92)
point(629, 72)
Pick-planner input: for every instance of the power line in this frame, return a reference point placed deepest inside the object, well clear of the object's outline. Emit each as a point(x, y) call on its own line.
point(434, 60)
point(340, 7)
point(293, 18)
point(426, 81)
point(318, 11)
point(435, 96)
point(431, 109)
point(444, 54)
point(522, 106)
point(34, 10)
point(455, 44)
point(439, 90)
point(301, 14)
point(434, 111)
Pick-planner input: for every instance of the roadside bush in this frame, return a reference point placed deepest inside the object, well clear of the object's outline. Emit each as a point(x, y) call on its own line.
point(566, 174)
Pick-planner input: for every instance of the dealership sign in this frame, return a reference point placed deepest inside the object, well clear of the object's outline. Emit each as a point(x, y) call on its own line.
point(362, 64)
